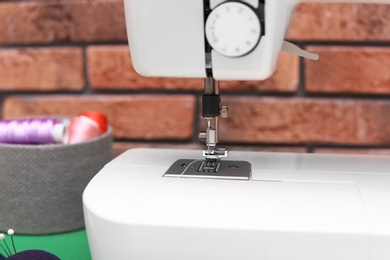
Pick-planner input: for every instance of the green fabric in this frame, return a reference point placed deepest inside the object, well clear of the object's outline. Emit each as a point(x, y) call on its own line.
point(66, 246)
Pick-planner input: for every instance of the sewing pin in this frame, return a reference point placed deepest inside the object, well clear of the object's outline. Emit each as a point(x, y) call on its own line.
point(4, 250)
point(11, 232)
point(2, 237)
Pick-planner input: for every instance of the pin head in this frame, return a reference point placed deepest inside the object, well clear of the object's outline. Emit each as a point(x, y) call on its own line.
point(2, 236)
point(10, 232)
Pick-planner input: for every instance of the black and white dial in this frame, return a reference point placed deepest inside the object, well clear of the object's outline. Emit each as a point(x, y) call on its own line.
point(233, 29)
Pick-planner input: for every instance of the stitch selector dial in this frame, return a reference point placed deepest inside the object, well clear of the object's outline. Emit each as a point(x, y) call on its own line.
point(233, 29)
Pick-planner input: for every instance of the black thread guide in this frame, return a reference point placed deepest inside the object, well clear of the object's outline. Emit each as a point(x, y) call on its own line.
point(210, 168)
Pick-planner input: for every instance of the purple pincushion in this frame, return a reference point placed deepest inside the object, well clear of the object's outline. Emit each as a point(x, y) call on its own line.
point(33, 255)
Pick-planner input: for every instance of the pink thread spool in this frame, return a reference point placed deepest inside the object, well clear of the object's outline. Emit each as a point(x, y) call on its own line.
point(82, 129)
point(99, 118)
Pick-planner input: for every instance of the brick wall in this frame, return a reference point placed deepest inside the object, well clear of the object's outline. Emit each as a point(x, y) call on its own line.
point(65, 57)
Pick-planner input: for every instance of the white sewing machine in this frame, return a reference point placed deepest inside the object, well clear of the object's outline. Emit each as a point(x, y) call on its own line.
point(184, 204)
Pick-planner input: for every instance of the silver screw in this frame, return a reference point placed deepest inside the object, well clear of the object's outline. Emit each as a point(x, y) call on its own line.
point(224, 111)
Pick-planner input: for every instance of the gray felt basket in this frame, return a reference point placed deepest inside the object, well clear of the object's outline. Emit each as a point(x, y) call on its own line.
point(41, 186)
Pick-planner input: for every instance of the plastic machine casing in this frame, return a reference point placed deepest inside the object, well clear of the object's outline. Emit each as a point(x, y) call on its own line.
point(295, 207)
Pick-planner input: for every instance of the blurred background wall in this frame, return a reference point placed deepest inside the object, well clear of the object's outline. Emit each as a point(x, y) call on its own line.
point(66, 57)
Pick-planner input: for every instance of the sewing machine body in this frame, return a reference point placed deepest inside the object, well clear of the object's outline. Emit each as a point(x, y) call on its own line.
point(289, 207)
point(295, 206)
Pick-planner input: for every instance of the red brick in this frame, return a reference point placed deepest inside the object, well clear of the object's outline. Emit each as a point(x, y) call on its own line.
point(352, 151)
point(109, 67)
point(36, 1)
point(374, 121)
point(132, 117)
point(41, 69)
point(340, 22)
point(88, 1)
point(62, 22)
point(279, 120)
point(349, 70)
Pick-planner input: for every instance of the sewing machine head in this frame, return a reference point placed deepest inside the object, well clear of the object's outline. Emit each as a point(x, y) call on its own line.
point(211, 39)
point(215, 40)
point(228, 40)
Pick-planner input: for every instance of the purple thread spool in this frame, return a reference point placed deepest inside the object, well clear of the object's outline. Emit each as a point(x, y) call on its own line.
point(31, 131)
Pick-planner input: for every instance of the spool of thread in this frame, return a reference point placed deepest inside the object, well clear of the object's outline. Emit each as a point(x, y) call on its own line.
point(82, 129)
point(99, 118)
point(32, 131)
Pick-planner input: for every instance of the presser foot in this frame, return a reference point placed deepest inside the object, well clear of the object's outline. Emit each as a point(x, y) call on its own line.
point(210, 169)
point(215, 153)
